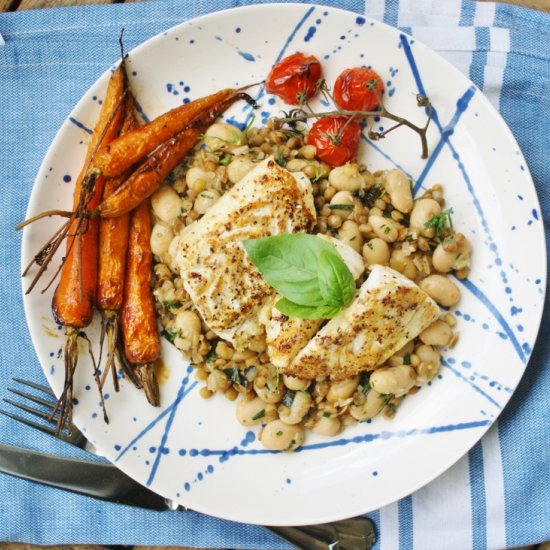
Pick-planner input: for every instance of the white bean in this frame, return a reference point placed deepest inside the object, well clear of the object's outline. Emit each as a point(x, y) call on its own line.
point(393, 380)
point(403, 263)
point(398, 187)
point(329, 426)
point(272, 390)
point(407, 348)
point(301, 404)
point(438, 333)
point(428, 354)
point(295, 383)
point(223, 136)
point(161, 238)
point(441, 289)
point(343, 198)
point(166, 204)
point(369, 408)
point(198, 179)
point(346, 178)
point(253, 411)
point(205, 200)
point(430, 363)
point(376, 251)
point(238, 168)
point(189, 326)
point(384, 228)
point(445, 260)
point(349, 234)
point(278, 436)
point(423, 211)
point(342, 389)
point(217, 381)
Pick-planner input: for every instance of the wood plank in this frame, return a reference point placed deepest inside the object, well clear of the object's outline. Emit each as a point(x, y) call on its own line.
point(542, 5)
point(35, 4)
point(7, 5)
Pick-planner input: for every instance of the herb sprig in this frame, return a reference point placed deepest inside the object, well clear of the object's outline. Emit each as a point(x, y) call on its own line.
point(439, 221)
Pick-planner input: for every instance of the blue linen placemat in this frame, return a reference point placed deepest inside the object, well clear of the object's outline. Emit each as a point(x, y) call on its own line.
point(49, 58)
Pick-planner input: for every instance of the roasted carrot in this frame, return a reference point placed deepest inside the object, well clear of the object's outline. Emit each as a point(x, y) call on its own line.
point(150, 175)
point(106, 127)
point(113, 247)
point(138, 319)
point(75, 296)
point(119, 155)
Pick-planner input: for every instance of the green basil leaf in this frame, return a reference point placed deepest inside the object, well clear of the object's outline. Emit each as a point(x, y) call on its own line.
point(336, 282)
point(286, 307)
point(289, 264)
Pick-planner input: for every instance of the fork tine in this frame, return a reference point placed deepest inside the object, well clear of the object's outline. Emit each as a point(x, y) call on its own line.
point(33, 398)
point(27, 422)
point(27, 408)
point(34, 385)
point(43, 428)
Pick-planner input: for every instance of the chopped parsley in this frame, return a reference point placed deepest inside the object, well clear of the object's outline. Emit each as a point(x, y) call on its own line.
point(259, 414)
point(170, 334)
point(171, 304)
point(439, 221)
point(341, 206)
point(369, 197)
point(237, 376)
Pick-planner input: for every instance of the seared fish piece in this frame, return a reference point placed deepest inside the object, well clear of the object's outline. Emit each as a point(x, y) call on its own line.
point(286, 336)
point(223, 283)
point(389, 311)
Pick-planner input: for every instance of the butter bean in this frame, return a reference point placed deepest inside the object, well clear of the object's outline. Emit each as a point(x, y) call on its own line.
point(438, 333)
point(399, 189)
point(441, 289)
point(278, 436)
point(393, 380)
point(376, 251)
point(346, 178)
point(384, 228)
point(423, 211)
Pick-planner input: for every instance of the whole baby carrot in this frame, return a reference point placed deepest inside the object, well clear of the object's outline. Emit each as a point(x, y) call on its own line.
point(74, 298)
point(119, 155)
point(113, 247)
point(150, 175)
point(138, 318)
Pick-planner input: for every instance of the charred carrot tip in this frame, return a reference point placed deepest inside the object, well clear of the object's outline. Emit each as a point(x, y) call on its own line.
point(148, 377)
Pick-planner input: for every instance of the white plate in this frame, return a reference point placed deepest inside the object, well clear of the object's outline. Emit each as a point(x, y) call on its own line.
point(194, 451)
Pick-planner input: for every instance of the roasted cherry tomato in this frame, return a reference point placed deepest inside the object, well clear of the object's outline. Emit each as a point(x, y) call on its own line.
point(354, 89)
point(336, 139)
point(294, 79)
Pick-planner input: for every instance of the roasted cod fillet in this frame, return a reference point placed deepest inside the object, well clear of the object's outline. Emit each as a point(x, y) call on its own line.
point(286, 336)
point(225, 286)
point(389, 311)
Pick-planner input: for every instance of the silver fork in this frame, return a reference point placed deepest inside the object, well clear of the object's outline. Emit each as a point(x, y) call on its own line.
point(73, 436)
point(352, 534)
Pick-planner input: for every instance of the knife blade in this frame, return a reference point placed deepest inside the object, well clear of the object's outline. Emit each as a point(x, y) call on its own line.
point(103, 481)
point(106, 482)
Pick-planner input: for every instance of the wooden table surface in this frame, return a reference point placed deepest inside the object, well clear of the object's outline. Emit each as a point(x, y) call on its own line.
point(16, 5)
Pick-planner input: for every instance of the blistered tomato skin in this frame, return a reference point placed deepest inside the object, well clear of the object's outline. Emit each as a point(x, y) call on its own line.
point(336, 139)
point(353, 89)
point(294, 79)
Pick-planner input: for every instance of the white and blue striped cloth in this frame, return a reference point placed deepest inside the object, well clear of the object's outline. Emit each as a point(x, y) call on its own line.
point(497, 496)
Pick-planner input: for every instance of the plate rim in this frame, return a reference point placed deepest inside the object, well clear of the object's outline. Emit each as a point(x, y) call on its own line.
point(476, 434)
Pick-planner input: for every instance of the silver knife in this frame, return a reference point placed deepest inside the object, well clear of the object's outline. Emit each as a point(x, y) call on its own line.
point(106, 482)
